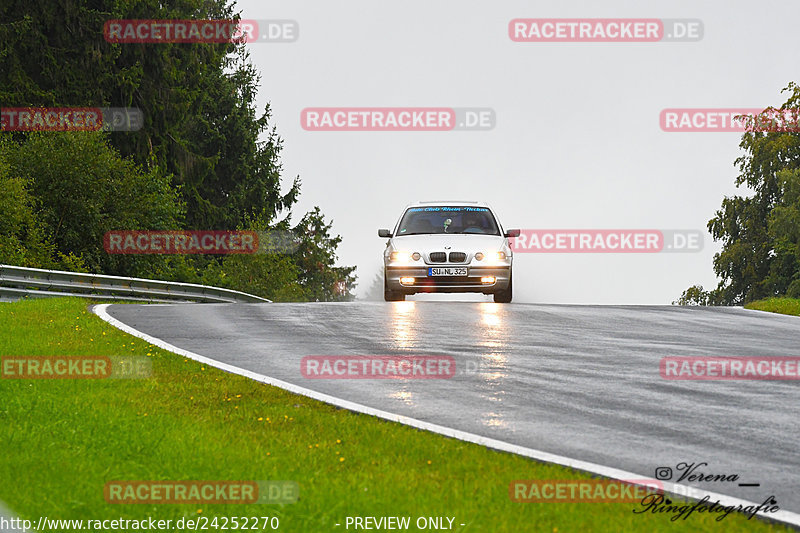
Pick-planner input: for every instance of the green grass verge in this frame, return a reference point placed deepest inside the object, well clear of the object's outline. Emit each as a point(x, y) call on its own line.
point(64, 439)
point(784, 306)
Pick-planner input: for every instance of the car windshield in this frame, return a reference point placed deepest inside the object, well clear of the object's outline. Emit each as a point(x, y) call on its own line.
point(447, 219)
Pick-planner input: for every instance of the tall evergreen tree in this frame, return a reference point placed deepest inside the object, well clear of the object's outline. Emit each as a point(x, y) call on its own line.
point(202, 135)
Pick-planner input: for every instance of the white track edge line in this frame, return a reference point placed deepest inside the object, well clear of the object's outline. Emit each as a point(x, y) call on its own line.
point(761, 312)
point(685, 491)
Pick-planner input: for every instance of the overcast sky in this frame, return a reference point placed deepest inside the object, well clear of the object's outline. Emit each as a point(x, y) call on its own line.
point(577, 142)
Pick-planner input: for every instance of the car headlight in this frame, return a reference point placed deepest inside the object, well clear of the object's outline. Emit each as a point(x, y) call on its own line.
point(492, 257)
point(400, 257)
point(404, 257)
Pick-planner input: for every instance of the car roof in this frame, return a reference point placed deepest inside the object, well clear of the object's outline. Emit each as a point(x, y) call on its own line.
point(448, 203)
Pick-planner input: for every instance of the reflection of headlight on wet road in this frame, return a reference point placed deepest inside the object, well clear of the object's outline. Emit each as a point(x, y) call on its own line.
point(403, 316)
point(489, 314)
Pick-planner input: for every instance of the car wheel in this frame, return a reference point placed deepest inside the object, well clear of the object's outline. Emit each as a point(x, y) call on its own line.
point(392, 296)
point(504, 297)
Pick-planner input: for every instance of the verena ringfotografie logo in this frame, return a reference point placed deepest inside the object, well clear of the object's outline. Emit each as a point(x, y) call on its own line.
point(76, 367)
point(730, 119)
point(730, 368)
point(200, 31)
point(199, 242)
point(659, 504)
point(694, 472)
point(594, 30)
point(201, 492)
point(609, 241)
point(397, 119)
point(583, 491)
point(377, 367)
point(71, 119)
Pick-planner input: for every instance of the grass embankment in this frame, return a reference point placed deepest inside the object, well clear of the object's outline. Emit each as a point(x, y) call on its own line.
point(784, 306)
point(64, 439)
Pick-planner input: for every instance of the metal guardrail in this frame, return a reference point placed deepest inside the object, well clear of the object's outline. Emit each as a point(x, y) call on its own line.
point(20, 282)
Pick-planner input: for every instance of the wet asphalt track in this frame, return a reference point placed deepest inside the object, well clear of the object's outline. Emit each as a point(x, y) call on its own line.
point(578, 381)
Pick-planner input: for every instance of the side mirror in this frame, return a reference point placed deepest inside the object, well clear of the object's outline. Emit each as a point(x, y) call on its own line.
point(384, 233)
point(513, 233)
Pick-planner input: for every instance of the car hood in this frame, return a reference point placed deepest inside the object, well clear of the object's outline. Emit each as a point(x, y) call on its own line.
point(457, 242)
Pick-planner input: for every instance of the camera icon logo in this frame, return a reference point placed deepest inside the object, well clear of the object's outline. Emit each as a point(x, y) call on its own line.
point(663, 473)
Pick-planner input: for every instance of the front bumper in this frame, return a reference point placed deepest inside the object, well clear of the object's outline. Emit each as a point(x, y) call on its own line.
point(470, 283)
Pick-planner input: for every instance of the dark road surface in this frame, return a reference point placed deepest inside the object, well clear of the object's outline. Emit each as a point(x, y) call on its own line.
point(577, 381)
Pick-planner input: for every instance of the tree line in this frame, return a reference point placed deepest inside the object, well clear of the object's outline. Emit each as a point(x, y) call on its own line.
point(760, 232)
point(205, 158)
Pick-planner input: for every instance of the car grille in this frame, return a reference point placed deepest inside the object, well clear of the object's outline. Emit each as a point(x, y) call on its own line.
point(438, 257)
point(458, 257)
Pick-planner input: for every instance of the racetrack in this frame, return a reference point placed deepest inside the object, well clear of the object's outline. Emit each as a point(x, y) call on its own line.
point(577, 381)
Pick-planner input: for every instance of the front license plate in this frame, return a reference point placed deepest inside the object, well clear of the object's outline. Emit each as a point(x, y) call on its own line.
point(447, 271)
